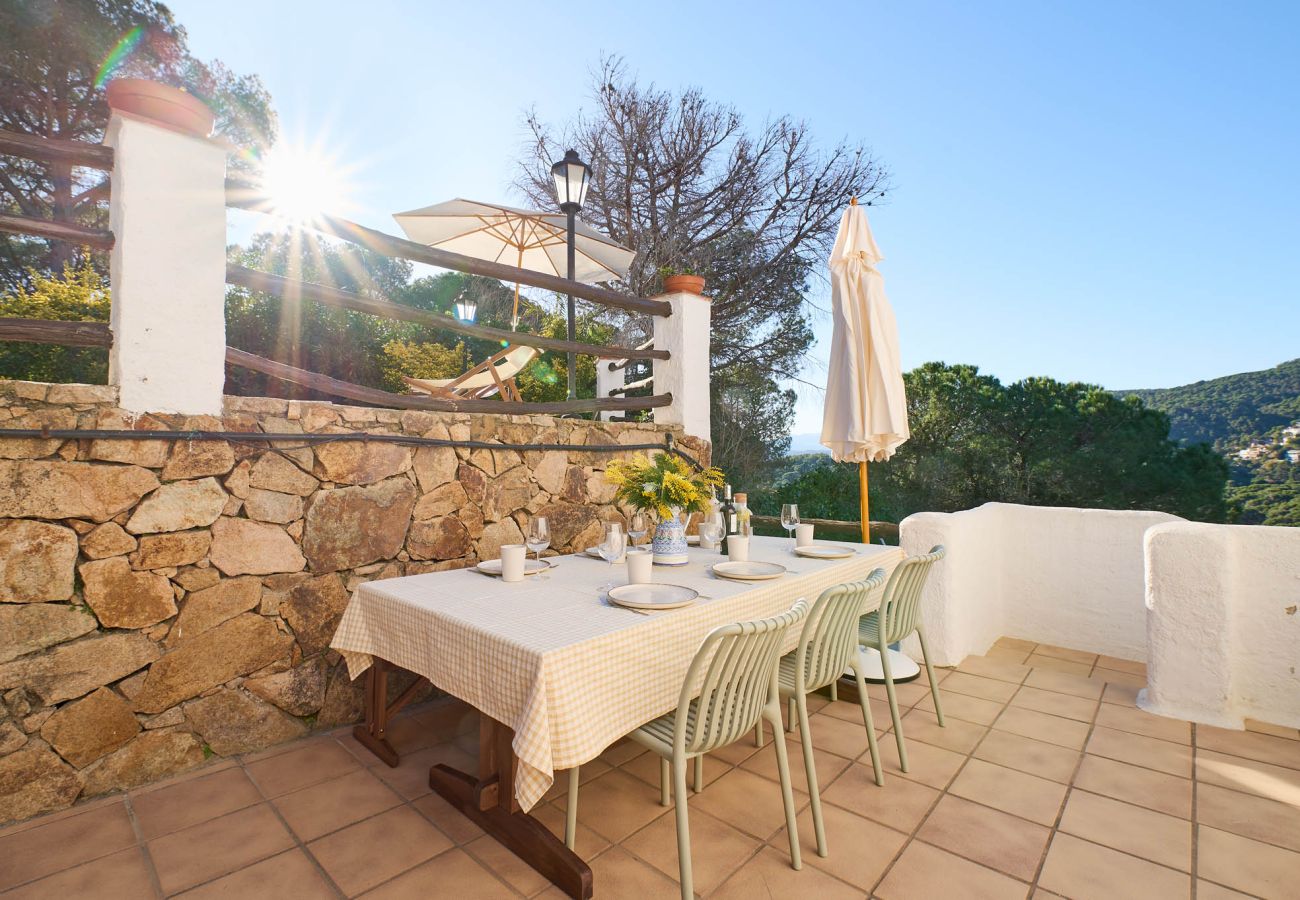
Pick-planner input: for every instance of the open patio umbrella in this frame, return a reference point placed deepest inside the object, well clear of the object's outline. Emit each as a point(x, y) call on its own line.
point(865, 418)
point(518, 237)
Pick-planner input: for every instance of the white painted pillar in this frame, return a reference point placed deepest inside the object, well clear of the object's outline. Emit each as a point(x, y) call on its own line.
point(685, 335)
point(607, 381)
point(168, 268)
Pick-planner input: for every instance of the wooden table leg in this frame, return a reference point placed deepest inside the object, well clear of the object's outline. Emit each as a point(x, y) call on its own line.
point(373, 733)
point(488, 800)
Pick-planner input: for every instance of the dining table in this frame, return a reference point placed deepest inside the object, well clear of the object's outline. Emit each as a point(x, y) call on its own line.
point(556, 670)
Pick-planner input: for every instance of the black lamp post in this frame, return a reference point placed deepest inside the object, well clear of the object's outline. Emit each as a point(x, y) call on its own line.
point(572, 177)
point(467, 312)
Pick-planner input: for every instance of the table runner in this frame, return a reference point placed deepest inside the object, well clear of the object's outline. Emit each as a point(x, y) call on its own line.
point(568, 673)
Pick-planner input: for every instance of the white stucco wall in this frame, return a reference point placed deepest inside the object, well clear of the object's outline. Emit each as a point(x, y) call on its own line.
point(1057, 575)
point(684, 334)
point(1223, 628)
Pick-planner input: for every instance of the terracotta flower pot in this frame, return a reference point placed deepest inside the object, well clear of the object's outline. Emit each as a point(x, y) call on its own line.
point(689, 284)
point(161, 103)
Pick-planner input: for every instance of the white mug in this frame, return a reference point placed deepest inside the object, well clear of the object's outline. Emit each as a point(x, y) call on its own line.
point(803, 534)
point(513, 557)
point(640, 566)
point(738, 548)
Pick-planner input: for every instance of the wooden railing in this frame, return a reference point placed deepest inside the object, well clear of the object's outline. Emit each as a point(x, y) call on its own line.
point(56, 150)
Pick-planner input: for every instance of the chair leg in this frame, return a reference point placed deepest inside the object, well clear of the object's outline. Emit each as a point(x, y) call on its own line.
point(571, 812)
point(699, 774)
point(773, 713)
point(929, 670)
point(835, 690)
point(893, 705)
point(758, 733)
point(683, 828)
point(789, 715)
point(810, 769)
point(869, 721)
point(664, 777)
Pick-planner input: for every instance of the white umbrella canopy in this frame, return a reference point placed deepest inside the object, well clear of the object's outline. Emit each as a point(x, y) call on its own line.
point(865, 417)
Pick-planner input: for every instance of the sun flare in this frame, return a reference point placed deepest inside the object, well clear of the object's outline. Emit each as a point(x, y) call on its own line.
point(302, 182)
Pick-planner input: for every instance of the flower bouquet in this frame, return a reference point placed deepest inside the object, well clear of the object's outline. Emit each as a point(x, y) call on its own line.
point(666, 486)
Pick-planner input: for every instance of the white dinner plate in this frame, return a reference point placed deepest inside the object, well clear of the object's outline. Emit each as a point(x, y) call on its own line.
point(748, 571)
point(652, 596)
point(531, 566)
point(825, 551)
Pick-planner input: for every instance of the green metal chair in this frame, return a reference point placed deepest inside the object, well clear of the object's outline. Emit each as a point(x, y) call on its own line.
point(737, 690)
point(827, 646)
point(897, 617)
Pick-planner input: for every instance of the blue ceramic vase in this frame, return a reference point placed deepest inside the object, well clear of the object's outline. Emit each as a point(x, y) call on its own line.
point(669, 543)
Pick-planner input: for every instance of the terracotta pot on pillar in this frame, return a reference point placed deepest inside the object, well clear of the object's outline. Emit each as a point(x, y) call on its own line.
point(689, 284)
point(161, 103)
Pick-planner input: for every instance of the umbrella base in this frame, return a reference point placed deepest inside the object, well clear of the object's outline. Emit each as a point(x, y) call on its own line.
point(902, 667)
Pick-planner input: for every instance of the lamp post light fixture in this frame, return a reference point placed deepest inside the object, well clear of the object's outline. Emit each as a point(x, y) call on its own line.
point(572, 178)
point(467, 312)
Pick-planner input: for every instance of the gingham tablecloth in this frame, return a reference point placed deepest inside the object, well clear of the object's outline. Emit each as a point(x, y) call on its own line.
point(548, 658)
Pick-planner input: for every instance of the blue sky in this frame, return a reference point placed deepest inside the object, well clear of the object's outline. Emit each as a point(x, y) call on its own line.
point(1106, 192)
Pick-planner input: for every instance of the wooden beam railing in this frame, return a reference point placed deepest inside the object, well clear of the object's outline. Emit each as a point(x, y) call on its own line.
point(333, 386)
point(57, 231)
point(290, 291)
point(244, 196)
point(47, 331)
point(47, 149)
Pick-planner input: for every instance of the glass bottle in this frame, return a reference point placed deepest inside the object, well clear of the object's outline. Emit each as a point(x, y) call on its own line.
point(728, 510)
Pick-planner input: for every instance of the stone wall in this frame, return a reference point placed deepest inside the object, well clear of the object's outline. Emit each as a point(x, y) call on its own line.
point(165, 602)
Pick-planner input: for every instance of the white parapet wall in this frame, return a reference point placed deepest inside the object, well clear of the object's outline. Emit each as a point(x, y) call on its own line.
point(685, 335)
point(1056, 575)
point(1223, 627)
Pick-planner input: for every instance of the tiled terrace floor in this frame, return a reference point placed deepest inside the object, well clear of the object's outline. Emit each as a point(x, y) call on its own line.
point(1047, 780)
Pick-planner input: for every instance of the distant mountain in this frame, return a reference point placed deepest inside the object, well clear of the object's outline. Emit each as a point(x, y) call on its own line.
point(806, 443)
point(1231, 410)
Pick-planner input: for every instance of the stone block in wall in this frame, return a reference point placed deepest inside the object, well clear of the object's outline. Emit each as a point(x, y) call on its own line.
point(273, 506)
point(196, 459)
point(495, 534)
point(434, 466)
point(245, 547)
point(300, 691)
point(441, 501)
point(34, 626)
point(34, 780)
point(179, 505)
point(149, 453)
point(109, 539)
point(91, 727)
point(177, 548)
point(76, 668)
point(194, 578)
point(506, 493)
point(344, 698)
point(272, 472)
point(82, 395)
point(231, 722)
point(124, 598)
point(150, 756)
point(35, 448)
point(208, 607)
point(355, 462)
point(46, 489)
point(442, 538)
point(11, 738)
point(36, 561)
point(313, 609)
point(353, 526)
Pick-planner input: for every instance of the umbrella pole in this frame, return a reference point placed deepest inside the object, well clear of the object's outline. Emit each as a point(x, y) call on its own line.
point(863, 503)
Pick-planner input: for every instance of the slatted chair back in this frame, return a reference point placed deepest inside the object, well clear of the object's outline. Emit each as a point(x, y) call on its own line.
point(902, 603)
point(739, 663)
point(830, 633)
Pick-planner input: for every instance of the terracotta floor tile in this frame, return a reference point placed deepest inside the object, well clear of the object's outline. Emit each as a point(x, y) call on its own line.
point(1252, 745)
point(977, 686)
point(411, 777)
point(616, 804)
point(989, 668)
point(299, 767)
point(963, 706)
point(63, 843)
point(1038, 661)
point(955, 734)
point(290, 874)
point(900, 804)
point(374, 850)
point(1246, 865)
point(1114, 663)
point(1135, 784)
point(1010, 643)
point(1283, 731)
point(587, 844)
point(1027, 796)
point(1007, 654)
point(1083, 657)
point(768, 875)
point(123, 875)
point(717, 848)
point(1067, 706)
point(1164, 756)
point(908, 693)
point(328, 806)
point(1065, 683)
point(589, 770)
point(451, 874)
point(1043, 727)
point(745, 800)
point(70, 812)
point(859, 849)
point(925, 871)
point(1137, 721)
point(192, 801)
point(843, 737)
point(851, 712)
point(617, 873)
point(828, 765)
point(737, 752)
point(509, 868)
point(1133, 829)
point(213, 848)
point(1127, 679)
point(1122, 694)
point(928, 764)
point(1024, 754)
point(989, 837)
point(450, 821)
point(1249, 816)
point(1240, 774)
point(622, 751)
point(1208, 890)
point(1085, 871)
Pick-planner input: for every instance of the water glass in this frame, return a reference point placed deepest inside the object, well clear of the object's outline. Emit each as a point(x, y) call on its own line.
point(790, 519)
point(538, 537)
point(611, 549)
point(637, 527)
point(710, 533)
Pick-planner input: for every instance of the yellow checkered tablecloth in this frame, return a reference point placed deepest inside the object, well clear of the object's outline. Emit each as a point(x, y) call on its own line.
point(569, 674)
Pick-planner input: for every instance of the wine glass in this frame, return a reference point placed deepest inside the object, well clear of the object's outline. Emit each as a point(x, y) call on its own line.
point(711, 531)
point(637, 526)
point(538, 537)
point(790, 519)
point(610, 549)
